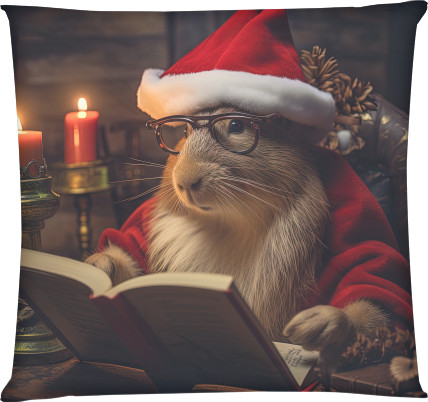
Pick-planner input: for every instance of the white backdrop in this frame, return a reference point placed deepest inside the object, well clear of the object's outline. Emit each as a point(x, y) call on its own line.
point(10, 234)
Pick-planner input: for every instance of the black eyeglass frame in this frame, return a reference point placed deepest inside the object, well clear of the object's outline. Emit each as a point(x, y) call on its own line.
point(156, 125)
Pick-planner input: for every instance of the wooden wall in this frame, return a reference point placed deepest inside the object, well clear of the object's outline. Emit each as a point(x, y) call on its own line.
point(62, 55)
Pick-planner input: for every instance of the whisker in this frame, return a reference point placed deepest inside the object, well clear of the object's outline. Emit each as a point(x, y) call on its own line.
point(258, 186)
point(148, 162)
point(168, 194)
point(176, 205)
point(141, 194)
point(277, 209)
point(258, 198)
point(226, 197)
point(262, 186)
point(245, 205)
point(169, 190)
point(140, 219)
point(223, 198)
point(220, 201)
point(165, 192)
point(141, 179)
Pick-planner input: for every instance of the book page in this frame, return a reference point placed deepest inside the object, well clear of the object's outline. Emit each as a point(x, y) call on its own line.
point(298, 360)
point(65, 306)
point(207, 338)
point(199, 280)
point(95, 279)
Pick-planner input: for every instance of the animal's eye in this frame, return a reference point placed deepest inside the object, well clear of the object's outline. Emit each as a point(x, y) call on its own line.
point(236, 127)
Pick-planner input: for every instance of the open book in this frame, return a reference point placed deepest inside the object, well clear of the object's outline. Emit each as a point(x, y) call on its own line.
point(182, 329)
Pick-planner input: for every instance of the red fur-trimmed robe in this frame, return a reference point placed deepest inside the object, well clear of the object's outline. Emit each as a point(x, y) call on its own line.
point(362, 258)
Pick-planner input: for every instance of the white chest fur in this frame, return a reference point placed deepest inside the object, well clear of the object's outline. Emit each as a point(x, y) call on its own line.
point(270, 269)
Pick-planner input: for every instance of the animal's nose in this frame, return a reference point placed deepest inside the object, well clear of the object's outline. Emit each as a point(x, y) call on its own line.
point(196, 185)
point(191, 185)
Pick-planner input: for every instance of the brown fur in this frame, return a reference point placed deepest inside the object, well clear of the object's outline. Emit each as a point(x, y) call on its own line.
point(268, 238)
point(260, 218)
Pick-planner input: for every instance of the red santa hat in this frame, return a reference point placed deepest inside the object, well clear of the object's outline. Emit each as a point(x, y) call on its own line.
point(250, 62)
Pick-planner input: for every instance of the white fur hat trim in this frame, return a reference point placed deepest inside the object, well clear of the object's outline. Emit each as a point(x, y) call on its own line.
point(261, 94)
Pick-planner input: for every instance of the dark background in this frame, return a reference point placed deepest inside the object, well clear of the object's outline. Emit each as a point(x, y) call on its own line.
point(61, 55)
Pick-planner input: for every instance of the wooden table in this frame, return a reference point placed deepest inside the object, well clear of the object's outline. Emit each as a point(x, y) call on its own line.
point(74, 378)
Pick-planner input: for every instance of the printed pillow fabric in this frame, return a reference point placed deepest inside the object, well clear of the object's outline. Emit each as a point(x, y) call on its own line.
point(227, 193)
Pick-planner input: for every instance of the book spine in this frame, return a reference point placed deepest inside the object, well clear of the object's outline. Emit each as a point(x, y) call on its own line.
point(357, 385)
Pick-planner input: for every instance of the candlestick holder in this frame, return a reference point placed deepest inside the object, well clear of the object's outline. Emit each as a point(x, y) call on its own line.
point(35, 343)
point(81, 180)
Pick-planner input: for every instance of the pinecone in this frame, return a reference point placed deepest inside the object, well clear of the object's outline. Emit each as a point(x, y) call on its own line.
point(318, 71)
point(386, 343)
point(352, 96)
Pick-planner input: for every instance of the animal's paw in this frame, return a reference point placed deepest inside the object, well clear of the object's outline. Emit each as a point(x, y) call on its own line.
point(102, 261)
point(116, 263)
point(319, 327)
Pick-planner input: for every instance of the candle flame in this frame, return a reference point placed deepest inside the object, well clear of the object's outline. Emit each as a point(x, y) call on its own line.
point(19, 124)
point(82, 105)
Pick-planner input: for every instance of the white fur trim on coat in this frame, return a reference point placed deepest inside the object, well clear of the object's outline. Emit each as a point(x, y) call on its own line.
point(263, 94)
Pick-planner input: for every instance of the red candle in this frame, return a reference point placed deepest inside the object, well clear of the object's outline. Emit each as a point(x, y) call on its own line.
point(80, 143)
point(30, 148)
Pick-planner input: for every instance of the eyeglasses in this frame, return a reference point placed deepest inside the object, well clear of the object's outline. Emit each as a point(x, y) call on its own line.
point(236, 132)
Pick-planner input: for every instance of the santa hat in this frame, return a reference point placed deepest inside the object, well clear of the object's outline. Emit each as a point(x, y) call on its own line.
point(250, 62)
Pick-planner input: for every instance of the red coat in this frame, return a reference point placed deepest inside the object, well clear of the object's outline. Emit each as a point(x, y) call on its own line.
point(362, 259)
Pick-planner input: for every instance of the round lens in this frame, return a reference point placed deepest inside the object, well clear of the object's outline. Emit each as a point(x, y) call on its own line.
point(173, 132)
point(236, 126)
point(236, 135)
